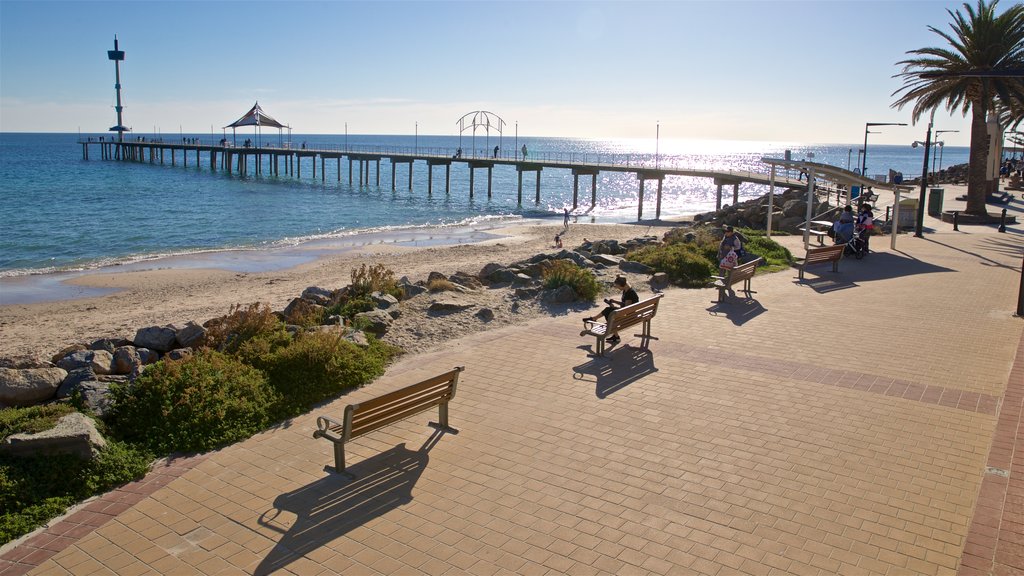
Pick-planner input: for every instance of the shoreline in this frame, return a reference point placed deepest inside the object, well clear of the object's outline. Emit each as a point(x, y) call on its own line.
point(166, 295)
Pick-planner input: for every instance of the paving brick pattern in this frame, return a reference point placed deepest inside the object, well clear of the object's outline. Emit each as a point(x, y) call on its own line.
point(846, 425)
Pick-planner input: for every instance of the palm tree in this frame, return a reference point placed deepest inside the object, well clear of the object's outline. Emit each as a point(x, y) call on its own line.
point(982, 65)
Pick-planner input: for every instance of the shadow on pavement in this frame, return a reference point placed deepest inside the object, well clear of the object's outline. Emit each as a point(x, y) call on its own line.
point(875, 266)
point(327, 509)
point(614, 372)
point(740, 311)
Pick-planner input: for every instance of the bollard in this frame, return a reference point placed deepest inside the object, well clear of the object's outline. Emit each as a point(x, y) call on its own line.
point(956, 218)
point(1020, 294)
point(1002, 221)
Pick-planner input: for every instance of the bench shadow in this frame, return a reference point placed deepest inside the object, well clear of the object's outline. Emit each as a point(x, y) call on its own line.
point(321, 512)
point(613, 372)
point(738, 310)
point(828, 282)
point(875, 266)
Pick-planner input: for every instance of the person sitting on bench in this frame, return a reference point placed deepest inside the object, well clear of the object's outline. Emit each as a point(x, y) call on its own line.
point(629, 296)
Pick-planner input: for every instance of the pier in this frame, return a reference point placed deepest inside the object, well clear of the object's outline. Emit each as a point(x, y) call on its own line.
point(274, 160)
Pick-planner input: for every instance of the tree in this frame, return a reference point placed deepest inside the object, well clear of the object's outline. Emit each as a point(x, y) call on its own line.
point(980, 67)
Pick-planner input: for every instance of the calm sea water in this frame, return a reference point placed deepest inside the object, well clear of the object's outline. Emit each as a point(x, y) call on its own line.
point(62, 213)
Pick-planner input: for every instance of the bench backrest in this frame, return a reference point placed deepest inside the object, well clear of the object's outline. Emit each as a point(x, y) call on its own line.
point(378, 412)
point(824, 254)
point(743, 271)
point(633, 314)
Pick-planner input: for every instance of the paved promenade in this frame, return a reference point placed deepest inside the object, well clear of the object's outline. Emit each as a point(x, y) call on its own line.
point(865, 422)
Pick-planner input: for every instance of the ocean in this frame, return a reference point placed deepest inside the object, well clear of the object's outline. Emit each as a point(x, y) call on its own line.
point(64, 214)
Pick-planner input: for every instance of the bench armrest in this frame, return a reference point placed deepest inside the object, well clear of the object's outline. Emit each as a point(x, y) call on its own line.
point(326, 428)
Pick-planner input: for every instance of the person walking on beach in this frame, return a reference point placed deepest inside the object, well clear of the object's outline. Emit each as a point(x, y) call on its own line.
point(524, 151)
point(565, 219)
point(629, 296)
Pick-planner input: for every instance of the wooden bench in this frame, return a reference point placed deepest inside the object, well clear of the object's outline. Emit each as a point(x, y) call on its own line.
point(742, 273)
point(375, 413)
point(640, 313)
point(824, 254)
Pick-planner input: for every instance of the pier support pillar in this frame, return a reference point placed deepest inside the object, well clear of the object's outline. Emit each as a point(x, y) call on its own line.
point(490, 179)
point(472, 172)
point(430, 178)
point(575, 190)
point(323, 170)
point(735, 194)
point(657, 210)
point(349, 170)
point(718, 198)
point(392, 175)
point(378, 173)
point(339, 168)
point(593, 190)
point(172, 156)
point(640, 204)
point(537, 201)
point(313, 158)
point(520, 198)
point(447, 178)
point(410, 174)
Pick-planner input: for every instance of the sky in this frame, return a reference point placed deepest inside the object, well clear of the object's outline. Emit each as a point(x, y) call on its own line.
point(777, 71)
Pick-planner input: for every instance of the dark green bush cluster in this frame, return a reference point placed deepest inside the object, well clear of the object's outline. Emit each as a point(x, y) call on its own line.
point(198, 403)
point(567, 273)
point(37, 488)
point(775, 255)
point(686, 263)
point(318, 366)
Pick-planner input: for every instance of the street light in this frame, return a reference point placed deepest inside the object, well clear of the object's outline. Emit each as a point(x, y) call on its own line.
point(867, 126)
point(919, 229)
point(942, 146)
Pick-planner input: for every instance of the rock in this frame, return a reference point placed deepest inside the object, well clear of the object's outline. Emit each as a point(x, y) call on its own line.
point(159, 338)
point(126, 360)
point(578, 259)
point(412, 290)
point(178, 354)
point(29, 386)
point(395, 313)
point(100, 361)
point(383, 301)
point(74, 381)
point(522, 280)
point(299, 310)
point(538, 269)
point(357, 338)
point(635, 267)
point(108, 344)
point(95, 394)
point(561, 295)
point(501, 276)
point(73, 434)
point(147, 356)
point(67, 350)
point(659, 280)
point(334, 320)
point(448, 305)
point(466, 280)
point(795, 209)
point(485, 314)
point(606, 247)
point(527, 293)
point(607, 259)
point(435, 276)
point(317, 295)
point(191, 336)
point(29, 360)
point(489, 269)
point(376, 321)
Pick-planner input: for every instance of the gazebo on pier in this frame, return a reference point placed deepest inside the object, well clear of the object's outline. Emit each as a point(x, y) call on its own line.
point(257, 118)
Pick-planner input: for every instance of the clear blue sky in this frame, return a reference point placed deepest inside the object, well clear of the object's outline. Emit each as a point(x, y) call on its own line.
point(809, 71)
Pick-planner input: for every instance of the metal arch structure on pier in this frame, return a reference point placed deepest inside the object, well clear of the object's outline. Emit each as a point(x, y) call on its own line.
point(268, 159)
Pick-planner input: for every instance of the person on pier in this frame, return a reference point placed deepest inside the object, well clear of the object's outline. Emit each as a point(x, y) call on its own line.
point(495, 151)
point(524, 151)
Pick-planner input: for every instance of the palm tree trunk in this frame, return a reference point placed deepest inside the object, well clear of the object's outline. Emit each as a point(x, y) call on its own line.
point(977, 185)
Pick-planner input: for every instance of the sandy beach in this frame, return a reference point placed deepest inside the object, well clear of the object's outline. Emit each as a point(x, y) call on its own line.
point(177, 295)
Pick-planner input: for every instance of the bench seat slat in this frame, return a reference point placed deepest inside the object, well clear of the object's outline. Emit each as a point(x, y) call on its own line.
point(363, 422)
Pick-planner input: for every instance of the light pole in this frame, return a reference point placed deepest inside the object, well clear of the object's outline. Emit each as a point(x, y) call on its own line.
point(919, 228)
point(942, 146)
point(867, 127)
point(417, 138)
point(657, 137)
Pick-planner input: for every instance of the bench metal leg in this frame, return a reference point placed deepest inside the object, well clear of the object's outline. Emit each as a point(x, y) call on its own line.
point(835, 265)
point(339, 461)
point(442, 416)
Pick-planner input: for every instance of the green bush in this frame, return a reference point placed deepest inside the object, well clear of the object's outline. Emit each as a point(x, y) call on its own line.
point(228, 333)
point(352, 305)
point(318, 366)
point(376, 278)
point(686, 263)
point(776, 256)
point(35, 489)
point(32, 419)
point(566, 273)
point(198, 403)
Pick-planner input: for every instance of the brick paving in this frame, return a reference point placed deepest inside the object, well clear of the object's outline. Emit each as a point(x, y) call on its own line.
point(866, 422)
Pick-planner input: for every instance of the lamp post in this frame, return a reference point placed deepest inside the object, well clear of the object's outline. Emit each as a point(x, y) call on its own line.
point(657, 137)
point(942, 146)
point(919, 228)
point(867, 130)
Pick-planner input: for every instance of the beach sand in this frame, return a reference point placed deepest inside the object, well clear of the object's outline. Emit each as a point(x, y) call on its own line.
point(178, 295)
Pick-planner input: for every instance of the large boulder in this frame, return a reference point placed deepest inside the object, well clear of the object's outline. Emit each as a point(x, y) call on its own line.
point(607, 259)
point(67, 350)
point(74, 434)
point(376, 321)
point(95, 394)
point(29, 386)
point(561, 295)
point(635, 267)
point(448, 305)
point(108, 344)
point(383, 301)
point(464, 279)
point(317, 295)
point(159, 338)
point(126, 360)
point(74, 381)
point(191, 335)
point(299, 310)
point(99, 361)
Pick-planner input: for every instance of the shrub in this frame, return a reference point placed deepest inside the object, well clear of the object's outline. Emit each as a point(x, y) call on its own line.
point(32, 419)
point(686, 263)
point(441, 285)
point(567, 273)
point(349, 306)
point(37, 488)
point(228, 333)
point(376, 278)
point(776, 256)
point(198, 403)
point(320, 365)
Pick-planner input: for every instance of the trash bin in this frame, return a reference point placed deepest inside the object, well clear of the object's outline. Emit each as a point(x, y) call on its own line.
point(854, 192)
point(935, 202)
point(908, 213)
